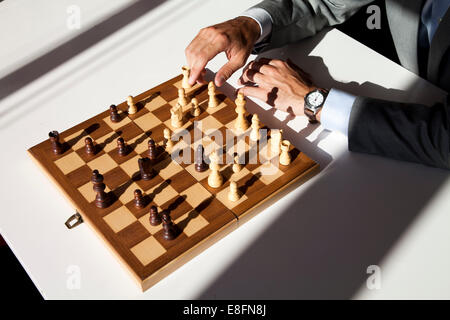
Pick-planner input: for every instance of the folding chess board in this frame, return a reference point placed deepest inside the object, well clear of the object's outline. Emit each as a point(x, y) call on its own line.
point(202, 214)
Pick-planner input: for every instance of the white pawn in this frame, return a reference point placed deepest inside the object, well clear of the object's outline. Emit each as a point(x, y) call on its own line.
point(275, 141)
point(132, 108)
point(240, 123)
point(176, 116)
point(212, 102)
point(215, 179)
point(186, 73)
point(236, 165)
point(168, 138)
point(233, 194)
point(255, 134)
point(195, 111)
point(285, 158)
point(182, 100)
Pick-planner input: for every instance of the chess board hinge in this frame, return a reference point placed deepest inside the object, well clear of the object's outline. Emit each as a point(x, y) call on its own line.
point(74, 220)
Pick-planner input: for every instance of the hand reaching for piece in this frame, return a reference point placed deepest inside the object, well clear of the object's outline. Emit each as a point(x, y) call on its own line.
point(235, 37)
point(281, 84)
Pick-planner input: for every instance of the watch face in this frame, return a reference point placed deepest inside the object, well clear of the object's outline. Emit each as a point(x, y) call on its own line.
point(315, 99)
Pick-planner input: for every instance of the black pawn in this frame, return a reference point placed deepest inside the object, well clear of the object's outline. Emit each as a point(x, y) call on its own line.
point(89, 146)
point(139, 201)
point(200, 164)
point(101, 199)
point(114, 114)
point(155, 219)
point(152, 149)
point(169, 230)
point(122, 148)
point(54, 140)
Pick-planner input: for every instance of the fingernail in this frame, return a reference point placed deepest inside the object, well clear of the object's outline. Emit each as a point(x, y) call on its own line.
point(220, 81)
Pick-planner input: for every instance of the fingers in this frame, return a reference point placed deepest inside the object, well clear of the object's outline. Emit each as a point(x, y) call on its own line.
point(255, 92)
point(224, 73)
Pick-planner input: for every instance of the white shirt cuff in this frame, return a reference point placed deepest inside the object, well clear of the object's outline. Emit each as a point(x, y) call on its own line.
point(336, 111)
point(263, 18)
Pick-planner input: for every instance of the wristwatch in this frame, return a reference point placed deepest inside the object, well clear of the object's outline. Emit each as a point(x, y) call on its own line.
point(313, 103)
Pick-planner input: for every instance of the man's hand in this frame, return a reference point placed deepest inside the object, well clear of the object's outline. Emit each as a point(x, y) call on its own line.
point(235, 37)
point(281, 84)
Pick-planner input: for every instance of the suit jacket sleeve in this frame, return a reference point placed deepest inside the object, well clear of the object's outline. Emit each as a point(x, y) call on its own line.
point(409, 132)
point(294, 20)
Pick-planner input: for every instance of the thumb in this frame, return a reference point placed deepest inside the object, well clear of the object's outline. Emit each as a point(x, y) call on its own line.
point(228, 69)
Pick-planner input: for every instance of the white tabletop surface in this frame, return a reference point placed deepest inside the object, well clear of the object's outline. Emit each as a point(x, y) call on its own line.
point(317, 242)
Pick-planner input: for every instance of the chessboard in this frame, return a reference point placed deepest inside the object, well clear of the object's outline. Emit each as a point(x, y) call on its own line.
point(200, 213)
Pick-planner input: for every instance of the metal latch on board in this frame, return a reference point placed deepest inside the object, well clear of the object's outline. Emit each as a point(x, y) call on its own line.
point(74, 220)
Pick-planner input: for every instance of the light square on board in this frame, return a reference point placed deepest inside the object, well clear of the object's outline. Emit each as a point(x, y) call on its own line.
point(147, 121)
point(197, 175)
point(209, 124)
point(108, 142)
point(69, 163)
point(88, 192)
point(193, 224)
point(148, 250)
point(103, 163)
point(119, 219)
point(196, 194)
point(267, 172)
point(140, 143)
point(125, 192)
point(76, 140)
point(155, 103)
point(223, 197)
point(145, 221)
point(213, 110)
point(162, 193)
point(169, 170)
point(131, 166)
point(124, 120)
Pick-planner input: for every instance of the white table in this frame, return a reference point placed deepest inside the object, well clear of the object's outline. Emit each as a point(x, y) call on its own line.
point(317, 242)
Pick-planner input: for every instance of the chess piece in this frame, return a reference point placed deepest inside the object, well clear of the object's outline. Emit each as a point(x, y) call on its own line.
point(139, 201)
point(195, 110)
point(275, 141)
point(182, 99)
point(89, 146)
point(200, 164)
point(186, 73)
point(168, 140)
point(236, 165)
point(285, 158)
point(114, 114)
point(132, 108)
point(255, 134)
point(176, 117)
point(212, 102)
point(241, 122)
point(215, 179)
point(169, 229)
point(233, 193)
point(122, 148)
point(146, 169)
point(102, 198)
point(155, 218)
point(152, 150)
point(54, 140)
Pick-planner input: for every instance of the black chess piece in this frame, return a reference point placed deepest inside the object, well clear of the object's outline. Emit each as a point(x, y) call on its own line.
point(89, 146)
point(169, 229)
point(200, 164)
point(146, 169)
point(139, 200)
point(102, 198)
point(54, 140)
point(122, 148)
point(152, 153)
point(114, 114)
point(155, 218)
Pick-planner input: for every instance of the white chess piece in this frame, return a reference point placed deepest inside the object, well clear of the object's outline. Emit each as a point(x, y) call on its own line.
point(236, 165)
point(215, 179)
point(233, 193)
point(176, 116)
point(241, 122)
point(168, 138)
point(182, 99)
point(195, 110)
point(285, 158)
point(275, 140)
point(212, 102)
point(255, 134)
point(132, 108)
point(186, 73)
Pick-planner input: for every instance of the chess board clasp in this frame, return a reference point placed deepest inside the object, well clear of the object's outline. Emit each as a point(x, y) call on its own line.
point(74, 220)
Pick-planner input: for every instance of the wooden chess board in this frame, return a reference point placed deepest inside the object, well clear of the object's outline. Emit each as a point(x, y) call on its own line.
point(202, 214)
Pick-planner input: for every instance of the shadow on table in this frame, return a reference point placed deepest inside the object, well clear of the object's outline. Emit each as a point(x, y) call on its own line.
point(350, 218)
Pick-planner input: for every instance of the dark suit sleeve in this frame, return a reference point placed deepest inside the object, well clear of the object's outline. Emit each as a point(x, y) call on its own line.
point(408, 132)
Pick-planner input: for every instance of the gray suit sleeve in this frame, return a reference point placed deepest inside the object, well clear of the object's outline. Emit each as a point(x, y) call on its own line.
point(294, 20)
